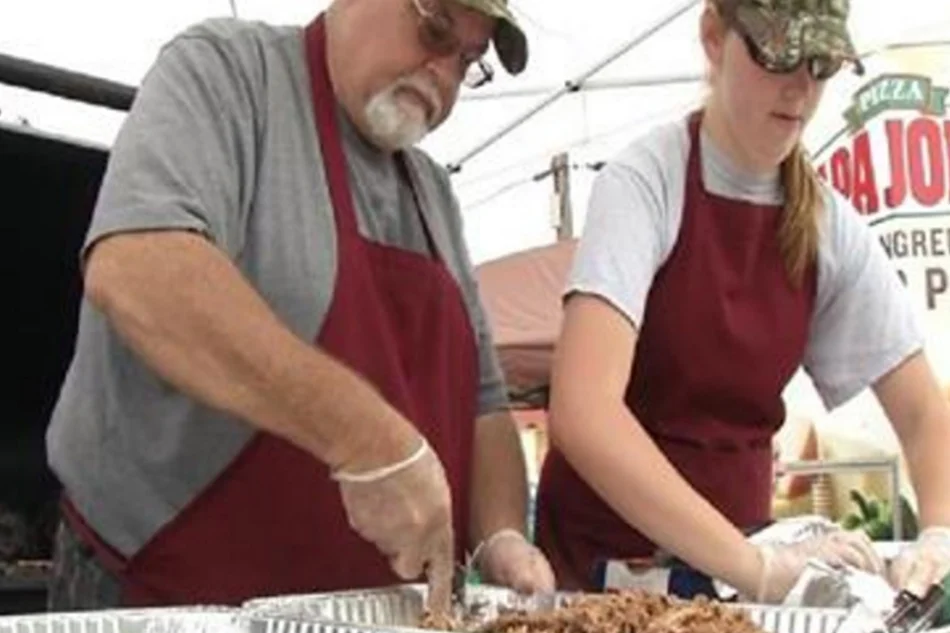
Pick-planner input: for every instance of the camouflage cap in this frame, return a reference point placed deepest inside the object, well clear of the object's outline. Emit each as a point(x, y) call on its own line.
point(510, 41)
point(797, 29)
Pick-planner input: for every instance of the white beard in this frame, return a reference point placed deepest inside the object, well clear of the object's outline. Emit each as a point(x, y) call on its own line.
point(395, 124)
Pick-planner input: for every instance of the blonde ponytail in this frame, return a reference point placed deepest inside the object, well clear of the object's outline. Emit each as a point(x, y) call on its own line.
point(798, 231)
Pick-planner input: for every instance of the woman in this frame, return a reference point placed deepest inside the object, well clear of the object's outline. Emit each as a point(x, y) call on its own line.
point(714, 264)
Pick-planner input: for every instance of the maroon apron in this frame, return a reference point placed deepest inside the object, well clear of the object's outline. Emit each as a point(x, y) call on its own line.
point(723, 332)
point(274, 522)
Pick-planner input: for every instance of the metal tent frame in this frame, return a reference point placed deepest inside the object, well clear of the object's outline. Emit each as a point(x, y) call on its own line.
point(96, 91)
point(576, 84)
point(68, 84)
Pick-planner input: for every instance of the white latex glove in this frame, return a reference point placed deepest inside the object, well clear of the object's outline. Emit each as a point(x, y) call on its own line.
point(405, 510)
point(923, 563)
point(782, 564)
point(507, 558)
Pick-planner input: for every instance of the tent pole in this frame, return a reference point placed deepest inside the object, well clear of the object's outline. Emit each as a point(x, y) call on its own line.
point(575, 84)
point(65, 83)
point(563, 214)
point(590, 85)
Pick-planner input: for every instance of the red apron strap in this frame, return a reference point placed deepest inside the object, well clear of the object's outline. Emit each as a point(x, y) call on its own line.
point(328, 132)
point(405, 167)
point(111, 559)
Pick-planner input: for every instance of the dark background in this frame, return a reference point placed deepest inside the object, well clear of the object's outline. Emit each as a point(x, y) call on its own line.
point(48, 188)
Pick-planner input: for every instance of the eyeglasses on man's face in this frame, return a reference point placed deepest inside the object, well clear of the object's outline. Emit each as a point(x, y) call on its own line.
point(437, 35)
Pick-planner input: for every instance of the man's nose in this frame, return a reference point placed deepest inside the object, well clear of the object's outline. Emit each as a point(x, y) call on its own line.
point(446, 76)
point(447, 70)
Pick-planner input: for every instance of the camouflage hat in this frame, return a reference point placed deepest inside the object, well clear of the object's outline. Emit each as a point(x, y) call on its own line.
point(793, 30)
point(510, 42)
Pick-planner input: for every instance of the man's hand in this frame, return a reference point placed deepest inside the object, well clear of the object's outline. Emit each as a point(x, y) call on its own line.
point(508, 559)
point(405, 510)
point(924, 563)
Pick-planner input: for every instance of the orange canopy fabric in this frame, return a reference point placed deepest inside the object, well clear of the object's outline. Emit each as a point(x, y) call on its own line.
point(522, 297)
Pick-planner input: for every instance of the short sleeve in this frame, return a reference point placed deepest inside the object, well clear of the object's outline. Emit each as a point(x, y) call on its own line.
point(625, 240)
point(492, 393)
point(863, 325)
point(184, 158)
point(492, 388)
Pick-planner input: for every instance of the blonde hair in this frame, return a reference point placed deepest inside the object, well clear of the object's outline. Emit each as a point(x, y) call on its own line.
point(798, 231)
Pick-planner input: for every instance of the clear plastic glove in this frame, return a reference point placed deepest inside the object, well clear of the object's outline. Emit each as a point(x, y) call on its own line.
point(507, 558)
point(923, 563)
point(405, 510)
point(782, 564)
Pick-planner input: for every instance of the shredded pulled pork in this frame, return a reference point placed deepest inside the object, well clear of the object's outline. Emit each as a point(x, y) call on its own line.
point(440, 622)
point(618, 612)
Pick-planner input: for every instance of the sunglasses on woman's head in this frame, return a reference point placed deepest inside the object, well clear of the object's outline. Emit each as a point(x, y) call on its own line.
point(821, 68)
point(437, 35)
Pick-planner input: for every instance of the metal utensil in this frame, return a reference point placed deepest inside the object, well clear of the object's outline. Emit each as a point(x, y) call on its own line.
point(459, 578)
point(912, 614)
point(544, 602)
point(909, 614)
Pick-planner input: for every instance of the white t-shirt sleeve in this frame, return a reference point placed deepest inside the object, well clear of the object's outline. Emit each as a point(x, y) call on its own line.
point(625, 239)
point(863, 324)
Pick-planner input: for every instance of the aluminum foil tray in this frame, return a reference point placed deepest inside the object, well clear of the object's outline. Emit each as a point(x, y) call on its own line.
point(399, 609)
point(400, 606)
point(159, 620)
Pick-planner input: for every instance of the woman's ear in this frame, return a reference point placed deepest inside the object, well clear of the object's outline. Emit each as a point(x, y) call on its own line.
point(712, 33)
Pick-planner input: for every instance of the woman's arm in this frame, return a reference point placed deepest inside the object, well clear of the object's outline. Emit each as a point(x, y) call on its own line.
point(920, 415)
point(592, 426)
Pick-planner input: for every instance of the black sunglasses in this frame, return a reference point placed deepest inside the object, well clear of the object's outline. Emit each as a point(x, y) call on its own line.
point(820, 67)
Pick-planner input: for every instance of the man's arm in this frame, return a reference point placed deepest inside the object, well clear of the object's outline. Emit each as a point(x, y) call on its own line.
point(186, 310)
point(499, 497)
point(499, 479)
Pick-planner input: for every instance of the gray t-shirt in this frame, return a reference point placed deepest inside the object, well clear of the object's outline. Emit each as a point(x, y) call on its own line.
point(221, 140)
point(862, 325)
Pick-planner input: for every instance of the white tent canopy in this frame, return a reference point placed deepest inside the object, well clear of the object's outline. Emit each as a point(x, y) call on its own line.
point(505, 209)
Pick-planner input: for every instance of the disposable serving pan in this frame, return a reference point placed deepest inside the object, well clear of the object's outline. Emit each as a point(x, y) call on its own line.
point(159, 620)
point(399, 609)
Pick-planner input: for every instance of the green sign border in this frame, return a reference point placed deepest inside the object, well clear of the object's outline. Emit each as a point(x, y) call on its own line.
point(935, 101)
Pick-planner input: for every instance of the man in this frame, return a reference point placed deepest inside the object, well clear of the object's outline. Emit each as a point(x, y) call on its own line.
point(283, 379)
